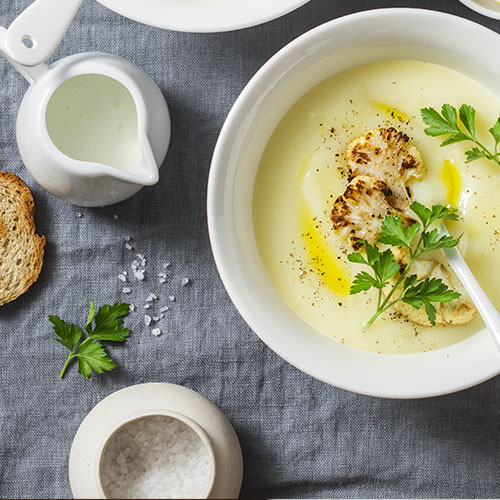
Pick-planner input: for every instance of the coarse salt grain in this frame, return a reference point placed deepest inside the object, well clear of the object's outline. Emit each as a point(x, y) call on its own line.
point(127, 238)
point(166, 265)
point(131, 307)
point(139, 274)
point(146, 306)
point(128, 246)
point(126, 289)
point(171, 298)
point(164, 308)
point(156, 332)
point(151, 297)
point(147, 320)
point(155, 318)
point(185, 281)
point(122, 277)
point(155, 457)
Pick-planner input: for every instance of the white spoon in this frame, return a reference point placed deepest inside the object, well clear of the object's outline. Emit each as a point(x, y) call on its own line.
point(486, 309)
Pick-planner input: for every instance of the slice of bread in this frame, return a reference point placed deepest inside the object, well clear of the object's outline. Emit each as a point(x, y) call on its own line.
point(21, 249)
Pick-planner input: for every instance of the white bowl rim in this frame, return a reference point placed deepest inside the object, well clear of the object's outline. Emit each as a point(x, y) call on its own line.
point(485, 11)
point(216, 234)
point(198, 24)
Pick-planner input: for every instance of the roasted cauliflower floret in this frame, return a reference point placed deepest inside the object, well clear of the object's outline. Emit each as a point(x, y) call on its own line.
point(358, 213)
point(456, 312)
point(385, 153)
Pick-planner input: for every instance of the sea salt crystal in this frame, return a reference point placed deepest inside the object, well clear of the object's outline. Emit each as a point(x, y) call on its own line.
point(155, 457)
point(155, 318)
point(126, 289)
point(166, 265)
point(185, 281)
point(146, 306)
point(79, 215)
point(122, 277)
point(164, 308)
point(128, 246)
point(156, 332)
point(131, 307)
point(147, 320)
point(124, 273)
point(139, 274)
point(171, 298)
point(151, 297)
point(127, 238)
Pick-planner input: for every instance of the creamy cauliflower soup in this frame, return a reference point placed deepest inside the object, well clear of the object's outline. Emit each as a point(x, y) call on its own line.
point(303, 171)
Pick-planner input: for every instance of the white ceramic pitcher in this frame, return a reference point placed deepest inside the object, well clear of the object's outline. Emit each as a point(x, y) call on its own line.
point(92, 128)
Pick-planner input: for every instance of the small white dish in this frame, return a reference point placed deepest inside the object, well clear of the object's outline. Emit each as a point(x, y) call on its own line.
point(132, 403)
point(350, 41)
point(489, 8)
point(205, 16)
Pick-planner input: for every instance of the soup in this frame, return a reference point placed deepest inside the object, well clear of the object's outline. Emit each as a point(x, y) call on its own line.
point(301, 174)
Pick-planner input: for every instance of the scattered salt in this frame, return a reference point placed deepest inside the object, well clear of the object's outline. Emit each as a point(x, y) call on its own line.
point(122, 277)
point(151, 297)
point(156, 332)
point(164, 308)
point(147, 320)
point(128, 246)
point(185, 281)
point(131, 307)
point(79, 215)
point(126, 289)
point(146, 306)
point(155, 318)
point(127, 238)
point(166, 265)
point(171, 298)
point(139, 274)
point(124, 273)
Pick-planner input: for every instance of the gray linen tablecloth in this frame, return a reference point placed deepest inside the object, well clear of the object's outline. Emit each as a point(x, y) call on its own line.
point(300, 437)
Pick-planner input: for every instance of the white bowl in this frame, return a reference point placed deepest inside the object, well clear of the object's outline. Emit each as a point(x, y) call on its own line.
point(202, 16)
point(488, 8)
point(335, 46)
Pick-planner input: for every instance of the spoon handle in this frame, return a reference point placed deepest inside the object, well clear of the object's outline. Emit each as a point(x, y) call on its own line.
point(38, 30)
point(486, 309)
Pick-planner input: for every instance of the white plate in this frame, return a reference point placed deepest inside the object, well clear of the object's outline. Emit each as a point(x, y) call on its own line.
point(202, 16)
point(489, 8)
point(328, 49)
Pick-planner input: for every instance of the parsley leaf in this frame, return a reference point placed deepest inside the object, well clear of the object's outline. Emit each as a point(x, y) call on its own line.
point(89, 353)
point(393, 232)
point(412, 291)
point(92, 356)
point(108, 323)
point(447, 123)
point(69, 335)
point(427, 291)
point(429, 216)
point(495, 131)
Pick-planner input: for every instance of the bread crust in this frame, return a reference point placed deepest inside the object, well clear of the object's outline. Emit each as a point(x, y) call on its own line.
point(21, 249)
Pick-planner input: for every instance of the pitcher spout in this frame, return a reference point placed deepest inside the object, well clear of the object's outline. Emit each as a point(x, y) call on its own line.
point(148, 171)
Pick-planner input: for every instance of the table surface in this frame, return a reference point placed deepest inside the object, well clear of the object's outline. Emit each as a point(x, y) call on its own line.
point(300, 437)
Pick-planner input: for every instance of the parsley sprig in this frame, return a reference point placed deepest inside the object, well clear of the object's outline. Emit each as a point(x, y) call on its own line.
point(447, 123)
point(414, 292)
point(90, 354)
